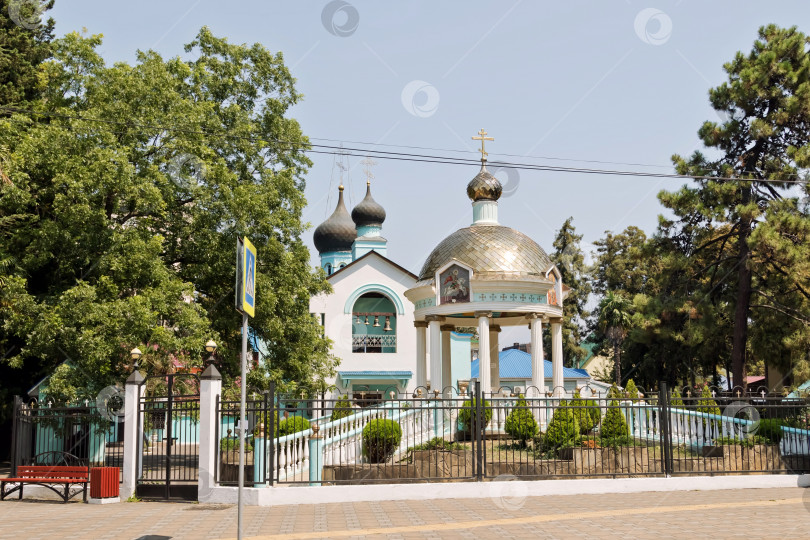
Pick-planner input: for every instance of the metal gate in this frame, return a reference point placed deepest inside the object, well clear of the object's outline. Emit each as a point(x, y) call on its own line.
point(169, 420)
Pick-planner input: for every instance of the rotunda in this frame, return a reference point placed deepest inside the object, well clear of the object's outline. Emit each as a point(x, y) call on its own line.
point(490, 276)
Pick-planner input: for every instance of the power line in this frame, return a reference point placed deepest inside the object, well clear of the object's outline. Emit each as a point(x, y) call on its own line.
point(406, 156)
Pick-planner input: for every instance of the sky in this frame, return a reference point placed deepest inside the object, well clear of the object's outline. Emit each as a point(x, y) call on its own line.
point(610, 84)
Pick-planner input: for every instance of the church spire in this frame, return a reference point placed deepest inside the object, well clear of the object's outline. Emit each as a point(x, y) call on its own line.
point(484, 189)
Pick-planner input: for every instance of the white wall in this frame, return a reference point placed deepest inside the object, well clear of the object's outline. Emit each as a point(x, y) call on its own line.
point(338, 325)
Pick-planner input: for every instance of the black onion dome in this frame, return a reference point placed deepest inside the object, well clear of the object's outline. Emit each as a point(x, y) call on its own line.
point(484, 186)
point(369, 211)
point(336, 233)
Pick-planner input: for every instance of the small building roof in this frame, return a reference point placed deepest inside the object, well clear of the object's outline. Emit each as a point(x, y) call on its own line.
point(516, 364)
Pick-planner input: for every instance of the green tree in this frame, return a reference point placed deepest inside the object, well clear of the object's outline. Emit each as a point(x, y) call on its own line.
point(570, 260)
point(563, 429)
point(23, 47)
point(762, 143)
point(129, 187)
point(614, 320)
point(631, 390)
point(520, 423)
point(614, 430)
point(621, 262)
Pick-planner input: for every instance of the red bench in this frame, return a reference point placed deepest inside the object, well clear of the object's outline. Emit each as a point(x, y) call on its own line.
point(49, 476)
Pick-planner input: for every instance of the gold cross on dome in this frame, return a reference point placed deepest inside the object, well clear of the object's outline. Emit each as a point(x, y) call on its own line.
point(482, 136)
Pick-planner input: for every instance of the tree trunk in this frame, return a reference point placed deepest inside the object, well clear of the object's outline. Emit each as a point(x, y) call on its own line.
point(740, 337)
point(617, 360)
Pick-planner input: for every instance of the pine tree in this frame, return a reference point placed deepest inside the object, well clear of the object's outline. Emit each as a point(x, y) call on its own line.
point(520, 423)
point(762, 142)
point(570, 260)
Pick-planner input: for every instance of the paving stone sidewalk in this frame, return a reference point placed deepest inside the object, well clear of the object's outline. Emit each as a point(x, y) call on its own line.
point(754, 513)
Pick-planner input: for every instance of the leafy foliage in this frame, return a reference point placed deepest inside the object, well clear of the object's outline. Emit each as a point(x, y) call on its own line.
point(467, 415)
point(587, 413)
point(770, 429)
point(520, 423)
point(342, 408)
point(381, 437)
point(676, 400)
point(293, 424)
point(563, 429)
point(614, 426)
point(124, 231)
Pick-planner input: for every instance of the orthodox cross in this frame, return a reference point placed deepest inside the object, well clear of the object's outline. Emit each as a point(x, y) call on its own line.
point(482, 136)
point(367, 164)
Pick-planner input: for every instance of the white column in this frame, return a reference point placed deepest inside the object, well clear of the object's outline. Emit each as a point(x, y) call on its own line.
point(434, 325)
point(132, 433)
point(494, 357)
point(538, 379)
point(557, 357)
point(421, 354)
point(447, 378)
point(210, 389)
point(483, 350)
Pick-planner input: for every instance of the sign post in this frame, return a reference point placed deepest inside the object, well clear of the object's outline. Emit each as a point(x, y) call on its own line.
point(246, 304)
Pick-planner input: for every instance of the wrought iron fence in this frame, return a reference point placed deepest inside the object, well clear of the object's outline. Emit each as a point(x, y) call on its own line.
point(448, 437)
point(45, 433)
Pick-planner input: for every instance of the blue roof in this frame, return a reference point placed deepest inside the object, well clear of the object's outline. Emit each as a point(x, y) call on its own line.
point(516, 364)
point(375, 374)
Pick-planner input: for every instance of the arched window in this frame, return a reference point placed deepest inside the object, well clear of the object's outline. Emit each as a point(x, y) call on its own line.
point(343, 265)
point(328, 269)
point(374, 324)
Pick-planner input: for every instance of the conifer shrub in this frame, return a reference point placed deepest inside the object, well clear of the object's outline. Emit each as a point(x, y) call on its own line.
point(381, 438)
point(770, 430)
point(586, 412)
point(467, 416)
point(614, 430)
point(631, 390)
point(293, 424)
point(563, 429)
point(520, 423)
point(676, 400)
point(342, 408)
point(706, 404)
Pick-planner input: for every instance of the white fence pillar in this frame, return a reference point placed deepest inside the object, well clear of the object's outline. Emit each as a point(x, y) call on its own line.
point(132, 430)
point(210, 390)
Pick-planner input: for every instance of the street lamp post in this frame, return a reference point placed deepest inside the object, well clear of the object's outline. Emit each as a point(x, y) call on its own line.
point(211, 348)
point(135, 354)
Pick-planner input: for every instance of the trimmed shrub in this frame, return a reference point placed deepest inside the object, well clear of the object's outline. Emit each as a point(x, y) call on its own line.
point(706, 404)
point(520, 423)
point(631, 390)
point(381, 438)
point(676, 400)
point(614, 430)
point(770, 429)
point(230, 445)
point(343, 408)
point(615, 393)
point(293, 424)
point(586, 412)
point(466, 417)
point(563, 429)
point(266, 427)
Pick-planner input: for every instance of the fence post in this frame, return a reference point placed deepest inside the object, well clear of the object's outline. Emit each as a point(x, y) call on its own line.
point(210, 390)
point(315, 456)
point(270, 400)
point(132, 432)
point(666, 438)
point(14, 442)
point(479, 432)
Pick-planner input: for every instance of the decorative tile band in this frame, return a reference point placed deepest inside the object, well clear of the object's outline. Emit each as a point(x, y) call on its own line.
point(521, 298)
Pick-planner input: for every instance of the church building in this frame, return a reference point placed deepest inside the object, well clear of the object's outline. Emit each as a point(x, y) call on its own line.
point(396, 331)
point(367, 316)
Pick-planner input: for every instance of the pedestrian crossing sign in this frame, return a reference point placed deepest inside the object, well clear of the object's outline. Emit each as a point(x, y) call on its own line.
point(248, 278)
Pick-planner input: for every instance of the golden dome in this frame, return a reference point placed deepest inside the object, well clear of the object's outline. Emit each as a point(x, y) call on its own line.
point(489, 249)
point(484, 186)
